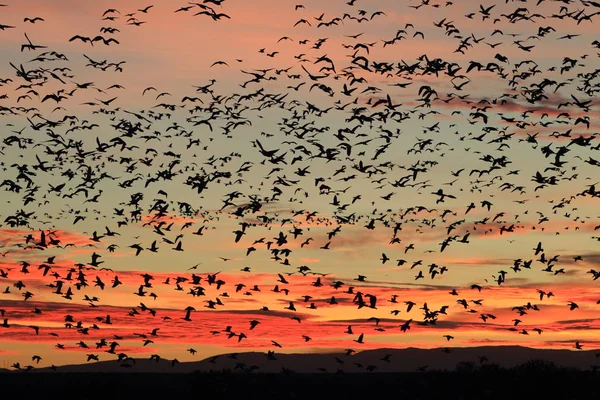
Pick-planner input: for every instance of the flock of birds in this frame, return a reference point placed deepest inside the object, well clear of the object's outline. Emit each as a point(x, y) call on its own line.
point(338, 158)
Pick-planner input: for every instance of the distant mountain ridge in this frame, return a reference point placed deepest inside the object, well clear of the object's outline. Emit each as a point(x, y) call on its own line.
point(380, 360)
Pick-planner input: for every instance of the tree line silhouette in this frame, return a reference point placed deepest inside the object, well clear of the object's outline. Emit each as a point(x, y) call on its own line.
point(468, 380)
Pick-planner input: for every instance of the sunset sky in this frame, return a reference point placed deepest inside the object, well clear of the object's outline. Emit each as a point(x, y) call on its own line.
point(141, 126)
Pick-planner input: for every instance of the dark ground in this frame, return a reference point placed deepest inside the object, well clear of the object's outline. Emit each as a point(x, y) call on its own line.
point(564, 385)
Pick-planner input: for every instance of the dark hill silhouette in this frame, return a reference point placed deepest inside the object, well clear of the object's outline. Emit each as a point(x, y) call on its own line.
point(400, 360)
